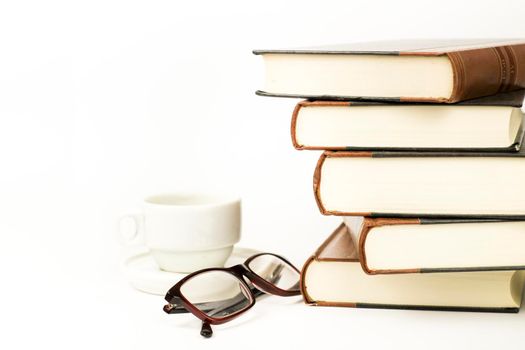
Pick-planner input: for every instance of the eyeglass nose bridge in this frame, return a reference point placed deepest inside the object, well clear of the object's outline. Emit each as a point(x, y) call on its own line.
point(241, 270)
point(249, 278)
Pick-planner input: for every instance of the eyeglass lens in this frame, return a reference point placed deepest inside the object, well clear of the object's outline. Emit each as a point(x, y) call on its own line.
point(216, 293)
point(275, 271)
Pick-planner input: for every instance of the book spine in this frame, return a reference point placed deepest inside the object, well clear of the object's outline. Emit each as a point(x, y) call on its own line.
point(487, 71)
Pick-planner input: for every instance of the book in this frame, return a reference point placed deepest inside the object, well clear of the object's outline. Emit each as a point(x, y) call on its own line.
point(421, 184)
point(333, 277)
point(492, 123)
point(403, 70)
point(425, 245)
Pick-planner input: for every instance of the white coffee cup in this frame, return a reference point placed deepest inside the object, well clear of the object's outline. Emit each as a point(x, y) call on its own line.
point(186, 231)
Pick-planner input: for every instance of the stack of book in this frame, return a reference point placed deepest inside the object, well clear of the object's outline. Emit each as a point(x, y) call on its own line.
point(423, 159)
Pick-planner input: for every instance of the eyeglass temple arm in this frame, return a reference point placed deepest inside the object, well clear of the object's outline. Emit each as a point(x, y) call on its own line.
point(206, 330)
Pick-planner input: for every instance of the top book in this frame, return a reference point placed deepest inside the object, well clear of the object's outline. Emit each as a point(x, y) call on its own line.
point(401, 71)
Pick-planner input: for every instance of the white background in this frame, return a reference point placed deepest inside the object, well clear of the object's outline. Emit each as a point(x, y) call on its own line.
point(104, 102)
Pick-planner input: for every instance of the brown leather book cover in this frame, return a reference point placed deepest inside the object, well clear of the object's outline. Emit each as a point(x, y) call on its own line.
point(513, 99)
point(340, 247)
point(481, 67)
point(369, 223)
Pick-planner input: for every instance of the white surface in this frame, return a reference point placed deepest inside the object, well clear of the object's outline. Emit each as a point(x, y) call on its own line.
point(104, 102)
point(144, 274)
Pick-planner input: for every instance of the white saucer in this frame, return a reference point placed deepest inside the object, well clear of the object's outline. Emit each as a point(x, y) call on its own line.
point(144, 274)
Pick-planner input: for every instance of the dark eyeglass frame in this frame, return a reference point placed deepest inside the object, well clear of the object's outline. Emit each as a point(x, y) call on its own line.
point(177, 303)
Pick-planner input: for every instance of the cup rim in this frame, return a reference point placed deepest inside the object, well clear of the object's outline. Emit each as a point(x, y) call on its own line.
point(216, 199)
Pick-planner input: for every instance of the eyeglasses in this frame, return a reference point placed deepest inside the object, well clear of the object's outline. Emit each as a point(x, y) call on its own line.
point(218, 295)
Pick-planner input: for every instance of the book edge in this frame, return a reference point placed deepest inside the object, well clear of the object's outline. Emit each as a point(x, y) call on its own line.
point(489, 43)
point(417, 307)
point(368, 225)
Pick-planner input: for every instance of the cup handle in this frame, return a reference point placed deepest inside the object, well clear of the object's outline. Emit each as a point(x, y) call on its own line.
point(131, 229)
